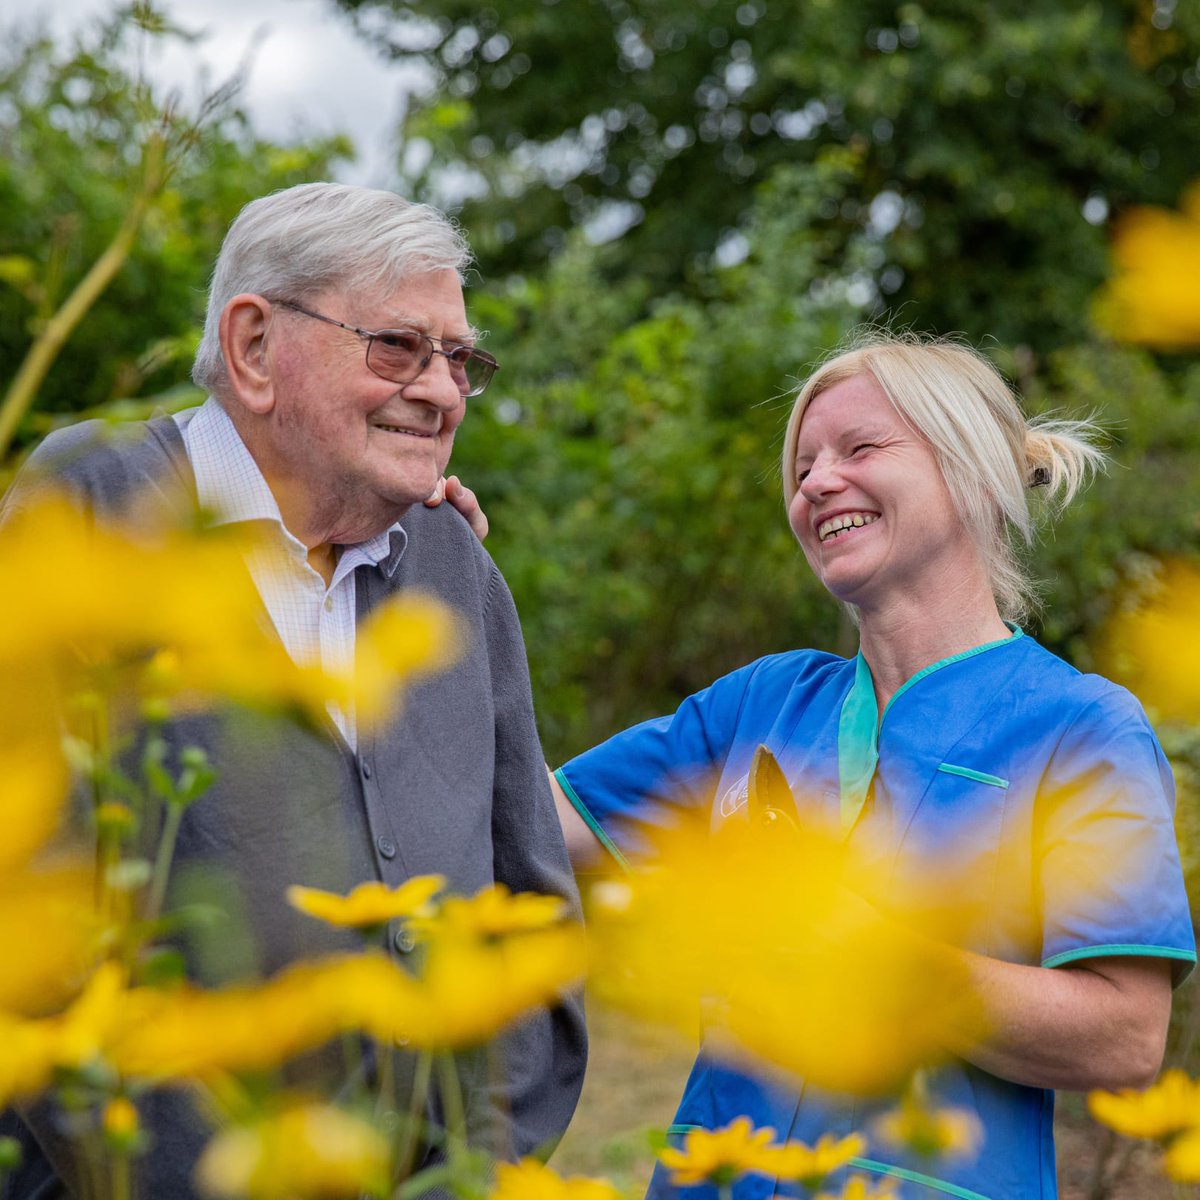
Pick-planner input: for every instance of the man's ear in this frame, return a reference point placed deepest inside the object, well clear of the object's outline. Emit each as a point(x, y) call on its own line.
point(243, 332)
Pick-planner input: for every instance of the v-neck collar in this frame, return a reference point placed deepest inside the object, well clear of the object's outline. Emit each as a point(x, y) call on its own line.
point(860, 723)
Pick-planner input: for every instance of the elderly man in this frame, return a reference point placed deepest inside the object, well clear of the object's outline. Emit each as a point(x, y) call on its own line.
point(340, 363)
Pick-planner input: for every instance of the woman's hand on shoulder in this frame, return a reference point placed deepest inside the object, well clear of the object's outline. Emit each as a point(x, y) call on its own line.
point(462, 498)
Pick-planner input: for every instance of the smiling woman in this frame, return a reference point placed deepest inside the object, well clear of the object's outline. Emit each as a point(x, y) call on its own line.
point(951, 746)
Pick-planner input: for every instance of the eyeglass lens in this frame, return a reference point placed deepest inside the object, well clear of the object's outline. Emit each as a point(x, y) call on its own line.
point(401, 355)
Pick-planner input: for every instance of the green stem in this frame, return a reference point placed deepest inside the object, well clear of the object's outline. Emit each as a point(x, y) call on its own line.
point(413, 1117)
point(47, 345)
point(120, 1176)
point(355, 1073)
point(385, 1074)
point(107, 854)
point(450, 1090)
point(162, 861)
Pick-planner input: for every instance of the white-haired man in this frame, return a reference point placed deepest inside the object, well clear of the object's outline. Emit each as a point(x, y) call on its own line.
point(340, 362)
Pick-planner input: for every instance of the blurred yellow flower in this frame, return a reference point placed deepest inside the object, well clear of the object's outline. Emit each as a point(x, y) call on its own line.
point(1152, 299)
point(1167, 1107)
point(187, 595)
point(719, 1156)
point(468, 991)
point(307, 1152)
point(531, 1180)
point(120, 1118)
point(34, 1050)
point(810, 1164)
point(1152, 647)
point(465, 994)
point(771, 939)
point(409, 636)
point(48, 931)
point(186, 1032)
point(369, 904)
point(1182, 1159)
point(931, 1132)
point(858, 1187)
point(35, 787)
point(492, 912)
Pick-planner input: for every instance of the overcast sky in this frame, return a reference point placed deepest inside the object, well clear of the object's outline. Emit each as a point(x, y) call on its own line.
point(310, 75)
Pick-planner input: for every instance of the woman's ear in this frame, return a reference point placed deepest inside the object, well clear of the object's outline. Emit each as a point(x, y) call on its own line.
point(245, 321)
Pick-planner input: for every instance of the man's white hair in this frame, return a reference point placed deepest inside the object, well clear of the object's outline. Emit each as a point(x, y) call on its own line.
point(300, 241)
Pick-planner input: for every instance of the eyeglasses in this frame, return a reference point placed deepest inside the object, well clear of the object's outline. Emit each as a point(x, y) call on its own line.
point(400, 355)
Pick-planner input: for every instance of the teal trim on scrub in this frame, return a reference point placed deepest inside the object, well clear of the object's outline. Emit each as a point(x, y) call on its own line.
point(682, 1129)
point(858, 728)
point(978, 776)
point(581, 808)
point(1114, 951)
point(937, 1185)
point(858, 743)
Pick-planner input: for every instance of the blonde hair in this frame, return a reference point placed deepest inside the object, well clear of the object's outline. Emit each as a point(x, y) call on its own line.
point(989, 454)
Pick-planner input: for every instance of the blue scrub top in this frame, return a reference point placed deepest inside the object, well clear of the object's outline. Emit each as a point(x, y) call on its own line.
point(1005, 739)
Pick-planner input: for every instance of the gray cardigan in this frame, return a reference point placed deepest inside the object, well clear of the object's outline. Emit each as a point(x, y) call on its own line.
point(455, 784)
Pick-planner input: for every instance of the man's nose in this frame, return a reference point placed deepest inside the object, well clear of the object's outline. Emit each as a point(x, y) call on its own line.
point(436, 384)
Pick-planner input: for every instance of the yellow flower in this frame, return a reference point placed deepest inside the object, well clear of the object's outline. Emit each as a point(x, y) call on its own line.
point(530, 1180)
point(1182, 1159)
point(190, 1033)
point(1167, 1107)
point(770, 937)
point(308, 1151)
point(931, 1132)
point(810, 1164)
point(120, 1117)
point(48, 930)
point(178, 608)
point(468, 991)
point(1153, 649)
point(719, 1156)
point(369, 904)
point(492, 912)
point(858, 1187)
point(35, 787)
point(409, 636)
point(34, 1050)
point(1153, 299)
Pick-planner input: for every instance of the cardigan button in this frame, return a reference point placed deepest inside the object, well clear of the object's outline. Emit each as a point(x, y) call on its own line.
point(386, 847)
point(769, 817)
point(403, 940)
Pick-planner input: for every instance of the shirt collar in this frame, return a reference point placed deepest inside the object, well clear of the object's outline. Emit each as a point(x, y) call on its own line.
point(231, 489)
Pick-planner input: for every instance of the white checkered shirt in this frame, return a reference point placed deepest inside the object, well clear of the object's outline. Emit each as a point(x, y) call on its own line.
point(315, 623)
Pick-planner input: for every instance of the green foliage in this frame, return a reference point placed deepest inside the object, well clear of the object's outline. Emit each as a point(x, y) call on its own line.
point(628, 466)
point(72, 124)
point(1146, 507)
point(981, 131)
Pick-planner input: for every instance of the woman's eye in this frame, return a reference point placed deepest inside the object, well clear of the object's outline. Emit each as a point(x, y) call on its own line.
point(863, 446)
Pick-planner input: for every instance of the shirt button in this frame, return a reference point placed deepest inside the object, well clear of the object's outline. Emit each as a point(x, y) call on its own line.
point(366, 769)
point(329, 604)
point(386, 847)
point(403, 941)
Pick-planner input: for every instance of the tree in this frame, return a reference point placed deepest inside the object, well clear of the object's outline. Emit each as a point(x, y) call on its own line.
point(73, 127)
point(991, 139)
